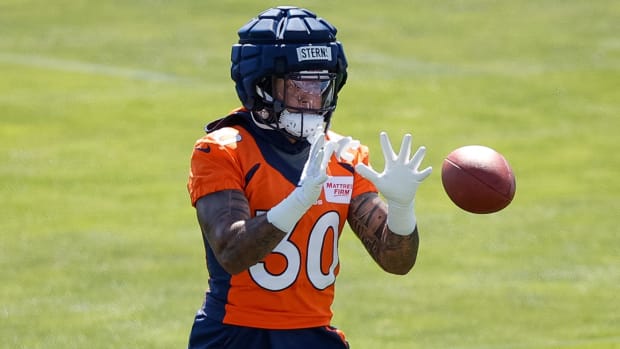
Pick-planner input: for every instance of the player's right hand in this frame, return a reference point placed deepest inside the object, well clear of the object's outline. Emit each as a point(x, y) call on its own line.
point(343, 148)
point(314, 173)
point(288, 212)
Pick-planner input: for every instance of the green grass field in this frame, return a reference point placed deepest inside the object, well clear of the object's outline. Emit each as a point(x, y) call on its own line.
point(100, 103)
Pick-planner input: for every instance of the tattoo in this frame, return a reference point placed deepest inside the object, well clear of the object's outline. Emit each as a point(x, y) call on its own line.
point(237, 239)
point(368, 220)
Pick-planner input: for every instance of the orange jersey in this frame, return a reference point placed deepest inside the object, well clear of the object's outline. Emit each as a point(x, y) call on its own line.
point(293, 287)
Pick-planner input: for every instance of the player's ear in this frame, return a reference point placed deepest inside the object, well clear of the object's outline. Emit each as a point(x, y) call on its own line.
point(278, 88)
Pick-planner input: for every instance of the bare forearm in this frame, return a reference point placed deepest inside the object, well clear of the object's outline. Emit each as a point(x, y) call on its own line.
point(237, 239)
point(368, 219)
point(252, 240)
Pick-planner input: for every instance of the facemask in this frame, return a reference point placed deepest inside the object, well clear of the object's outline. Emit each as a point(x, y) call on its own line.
point(302, 125)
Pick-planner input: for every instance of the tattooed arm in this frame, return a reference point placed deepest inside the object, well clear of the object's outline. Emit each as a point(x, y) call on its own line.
point(368, 219)
point(237, 240)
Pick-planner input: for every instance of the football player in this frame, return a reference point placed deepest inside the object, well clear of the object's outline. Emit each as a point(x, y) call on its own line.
point(273, 187)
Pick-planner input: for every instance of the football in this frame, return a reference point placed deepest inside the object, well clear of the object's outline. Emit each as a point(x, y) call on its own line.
point(478, 179)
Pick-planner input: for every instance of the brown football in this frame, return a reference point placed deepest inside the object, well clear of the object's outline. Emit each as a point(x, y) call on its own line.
point(478, 179)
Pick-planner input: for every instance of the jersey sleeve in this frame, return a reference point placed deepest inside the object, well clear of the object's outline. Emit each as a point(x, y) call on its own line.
point(214, 166)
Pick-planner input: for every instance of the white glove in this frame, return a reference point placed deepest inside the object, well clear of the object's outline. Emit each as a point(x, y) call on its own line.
point(287, 213)
point(344, 145)
point(398, 182)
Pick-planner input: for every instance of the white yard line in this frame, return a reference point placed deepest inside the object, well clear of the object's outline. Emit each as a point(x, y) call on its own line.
point(90, 68)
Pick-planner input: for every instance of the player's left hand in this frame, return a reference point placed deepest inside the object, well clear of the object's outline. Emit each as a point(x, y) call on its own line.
point(401, 177)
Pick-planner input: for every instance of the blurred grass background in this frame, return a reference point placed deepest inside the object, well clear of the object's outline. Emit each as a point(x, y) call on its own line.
point(100, 103)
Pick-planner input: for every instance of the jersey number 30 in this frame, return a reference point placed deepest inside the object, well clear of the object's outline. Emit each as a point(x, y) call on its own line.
point(286, 248)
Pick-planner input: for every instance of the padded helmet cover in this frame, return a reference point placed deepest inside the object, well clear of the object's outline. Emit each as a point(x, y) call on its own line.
point(283, 40)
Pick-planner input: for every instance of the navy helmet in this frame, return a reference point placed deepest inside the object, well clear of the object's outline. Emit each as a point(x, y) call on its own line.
point(281, 41)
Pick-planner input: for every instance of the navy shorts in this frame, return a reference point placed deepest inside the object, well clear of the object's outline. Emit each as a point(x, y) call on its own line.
point(210, 334)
